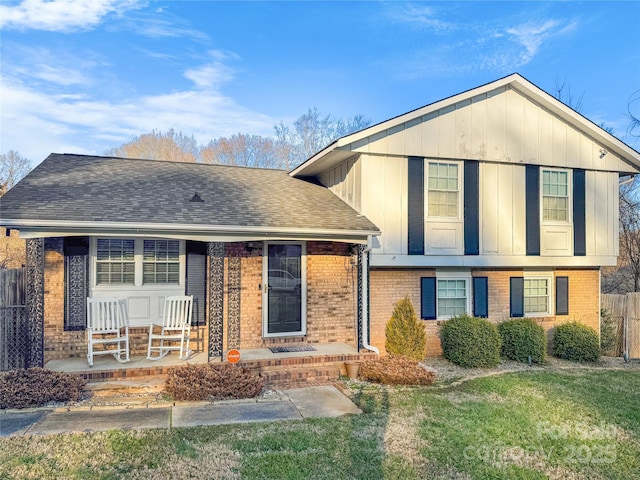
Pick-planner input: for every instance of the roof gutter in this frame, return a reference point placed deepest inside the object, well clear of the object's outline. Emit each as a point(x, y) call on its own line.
point(44, 228)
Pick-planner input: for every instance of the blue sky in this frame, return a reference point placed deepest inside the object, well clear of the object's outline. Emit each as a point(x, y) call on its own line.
point(81, 76)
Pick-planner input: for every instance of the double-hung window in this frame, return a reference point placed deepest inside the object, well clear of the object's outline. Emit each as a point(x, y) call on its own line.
point(446, 295)
point(452, 297)
point(536, 296)
point(443, 190)
point(161, 262)
point(115, 261)
point(555, 196)
point(137, 262)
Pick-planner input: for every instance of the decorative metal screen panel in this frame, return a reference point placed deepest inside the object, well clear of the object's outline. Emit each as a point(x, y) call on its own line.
point(360, 295)
point(216, 297)
point(35, 301)
point(76, 282)
point(234, 299)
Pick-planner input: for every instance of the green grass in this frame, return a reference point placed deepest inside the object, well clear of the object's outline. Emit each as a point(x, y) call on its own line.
point(533, 425)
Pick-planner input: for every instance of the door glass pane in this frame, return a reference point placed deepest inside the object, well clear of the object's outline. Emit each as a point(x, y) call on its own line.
point(284, 281)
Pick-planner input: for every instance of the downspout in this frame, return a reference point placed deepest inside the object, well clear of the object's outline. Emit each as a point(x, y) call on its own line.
point(365, 298)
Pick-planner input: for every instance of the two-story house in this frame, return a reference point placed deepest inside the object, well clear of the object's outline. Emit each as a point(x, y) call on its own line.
point(497, 202)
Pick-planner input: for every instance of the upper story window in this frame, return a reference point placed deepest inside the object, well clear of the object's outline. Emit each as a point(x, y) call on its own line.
point(443, 197)
point(161, 262)
point(115, 262)
point(555, 195)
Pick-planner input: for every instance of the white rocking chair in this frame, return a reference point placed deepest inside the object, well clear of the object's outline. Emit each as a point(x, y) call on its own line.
point(107, 325)
point(175, 330)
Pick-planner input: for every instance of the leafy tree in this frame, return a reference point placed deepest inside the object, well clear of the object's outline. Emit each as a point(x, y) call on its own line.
point(13, 167)
point(157, 145)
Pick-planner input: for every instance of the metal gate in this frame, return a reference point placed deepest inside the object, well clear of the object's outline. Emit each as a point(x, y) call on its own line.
point(14, 328)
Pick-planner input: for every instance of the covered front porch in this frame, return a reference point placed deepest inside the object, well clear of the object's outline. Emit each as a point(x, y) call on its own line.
point(324, 363)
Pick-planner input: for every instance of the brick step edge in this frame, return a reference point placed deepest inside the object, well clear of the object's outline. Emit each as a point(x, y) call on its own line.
point(311, 361)
point(300, 375)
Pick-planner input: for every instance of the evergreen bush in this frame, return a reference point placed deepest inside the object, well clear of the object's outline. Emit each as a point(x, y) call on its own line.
point(523, 338)
point(405, 334)
point(577, 342)
point(470, 342)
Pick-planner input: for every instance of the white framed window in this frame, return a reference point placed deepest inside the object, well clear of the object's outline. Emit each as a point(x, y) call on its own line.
point(161, 262)
point(538, 295)
point(443, 189)
point(556, 198)
point(452, 297)
point(152, 263)
point(115, 261)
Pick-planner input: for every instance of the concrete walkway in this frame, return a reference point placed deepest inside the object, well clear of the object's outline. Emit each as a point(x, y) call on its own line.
point(295, 404)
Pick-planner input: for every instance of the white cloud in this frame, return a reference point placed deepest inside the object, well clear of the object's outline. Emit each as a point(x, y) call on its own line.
point(68, 120)
point(418, 15)
point(494, 48)
point(212, 74)
point(61, 15)
point(532, 35)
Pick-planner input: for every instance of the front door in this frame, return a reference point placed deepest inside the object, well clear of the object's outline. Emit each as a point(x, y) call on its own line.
point(284, 289)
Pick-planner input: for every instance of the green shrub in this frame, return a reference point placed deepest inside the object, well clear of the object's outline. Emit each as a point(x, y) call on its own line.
point(577, 342)
point(211, 381)
point(523, 338)
point(396, 370)
point(405, 334)
point(610, 334)
point(33, 387)
point(470, 342)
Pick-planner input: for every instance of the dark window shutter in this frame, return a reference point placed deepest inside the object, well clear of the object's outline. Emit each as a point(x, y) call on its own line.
point(76, 282)
point(197, 279)
point(480, 297)
point(415, 206)
point(579, 215)
point(562, 295)
point(471, 208)
point(532, 209)
point(428, 298)
point(516, 299)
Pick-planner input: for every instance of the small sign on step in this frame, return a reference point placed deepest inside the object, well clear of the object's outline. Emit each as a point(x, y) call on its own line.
point(233, 356)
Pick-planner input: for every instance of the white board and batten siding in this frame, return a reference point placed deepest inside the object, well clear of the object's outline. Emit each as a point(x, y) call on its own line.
point(500, 126)
point(505, 131)
point(344, 180)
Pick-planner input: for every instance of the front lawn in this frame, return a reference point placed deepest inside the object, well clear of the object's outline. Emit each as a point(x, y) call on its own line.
point(529, 425)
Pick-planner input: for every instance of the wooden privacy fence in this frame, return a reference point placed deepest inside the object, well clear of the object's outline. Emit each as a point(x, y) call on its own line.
point(627, 308)
point(14, 329)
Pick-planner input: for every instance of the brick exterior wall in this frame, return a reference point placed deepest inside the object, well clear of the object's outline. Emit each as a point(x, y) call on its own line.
point(331, 302)
point(388, 286)
point(331, 296)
